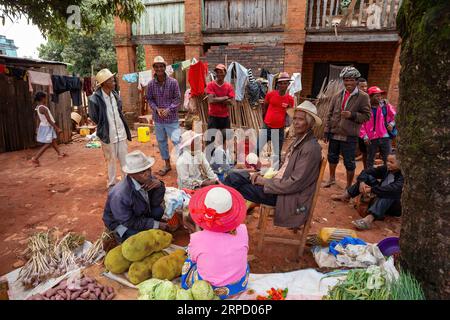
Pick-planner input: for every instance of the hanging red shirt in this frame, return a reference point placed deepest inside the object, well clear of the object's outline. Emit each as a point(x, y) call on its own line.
point(197, 78)
point(219, 109)
point(276, 113)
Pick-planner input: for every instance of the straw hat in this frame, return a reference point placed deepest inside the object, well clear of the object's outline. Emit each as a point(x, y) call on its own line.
point(159, 59)
point(218, 208)
point(75, 117)
point(137, 161)
point(309, 108)
point(187, 138)
point(103, 75)
point(284, 76)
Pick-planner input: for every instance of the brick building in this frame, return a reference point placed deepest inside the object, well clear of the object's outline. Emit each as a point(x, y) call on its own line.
point(307, 36)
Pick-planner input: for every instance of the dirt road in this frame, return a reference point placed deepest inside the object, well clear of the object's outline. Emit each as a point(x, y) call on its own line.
point(70, 193)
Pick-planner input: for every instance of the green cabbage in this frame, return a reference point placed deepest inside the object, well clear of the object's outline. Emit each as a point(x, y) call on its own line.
point(202, 290)
point(147, 289)
point(184, 294)
point(166, 291)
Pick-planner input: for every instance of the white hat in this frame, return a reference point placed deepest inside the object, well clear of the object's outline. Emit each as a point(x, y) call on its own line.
point(187, 138)
point(309, 108)
point(103, 75)
point(252, 158)
point(159, 59)
point(137, 161)
point(219, 199)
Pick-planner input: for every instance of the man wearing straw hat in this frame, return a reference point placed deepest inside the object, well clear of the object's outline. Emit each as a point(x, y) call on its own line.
point(293, 187)
point(164, 97)
point(105, 109)
point(349, 109)
point(135, 204)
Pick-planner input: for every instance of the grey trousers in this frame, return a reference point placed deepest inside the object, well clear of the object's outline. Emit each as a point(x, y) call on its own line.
point(113, 152)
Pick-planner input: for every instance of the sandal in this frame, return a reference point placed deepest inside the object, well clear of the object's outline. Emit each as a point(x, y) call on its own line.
point(339, 197)
point(328, 184)
point(164, 171)
point(361, 224)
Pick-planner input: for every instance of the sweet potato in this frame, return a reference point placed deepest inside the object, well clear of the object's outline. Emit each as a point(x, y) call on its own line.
point(110, 296)
point(49, 293)
point(102, 296)
point(85, 295)
point(91, 287)
point(83, 282)
point(110, 290)
point(62, 294)
point(92, 296)
point(75, 295)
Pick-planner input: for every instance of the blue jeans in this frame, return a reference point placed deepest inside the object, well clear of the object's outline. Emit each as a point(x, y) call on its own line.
point(164, 130)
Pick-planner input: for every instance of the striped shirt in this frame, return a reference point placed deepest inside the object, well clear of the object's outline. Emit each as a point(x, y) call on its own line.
point(166, 95)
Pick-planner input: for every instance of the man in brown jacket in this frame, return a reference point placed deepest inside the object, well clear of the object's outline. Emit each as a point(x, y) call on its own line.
point(349, 109)
point(292, 189)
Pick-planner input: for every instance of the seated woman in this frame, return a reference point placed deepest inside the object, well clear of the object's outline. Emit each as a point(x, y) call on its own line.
point(386, 182)
point(193, 169)
point(218, 254)
point(292, 189)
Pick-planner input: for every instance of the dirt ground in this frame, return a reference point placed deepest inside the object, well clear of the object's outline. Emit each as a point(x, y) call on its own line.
point(70, 193)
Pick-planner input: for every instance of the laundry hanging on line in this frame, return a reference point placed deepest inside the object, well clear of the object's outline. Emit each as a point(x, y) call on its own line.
point(63, 84)
point(39, 78)
point(144, 78)
point(241, 74)
point(296, 84)
point(197, 78)
point(130, 77)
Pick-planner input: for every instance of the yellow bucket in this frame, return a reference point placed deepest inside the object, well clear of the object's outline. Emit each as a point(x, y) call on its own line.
point(143, 134)
point(84, 131)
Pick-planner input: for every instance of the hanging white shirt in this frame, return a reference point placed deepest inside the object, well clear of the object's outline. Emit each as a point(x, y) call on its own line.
point(117, 131)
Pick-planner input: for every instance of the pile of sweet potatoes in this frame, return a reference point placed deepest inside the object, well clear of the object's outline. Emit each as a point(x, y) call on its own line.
point(84, 289)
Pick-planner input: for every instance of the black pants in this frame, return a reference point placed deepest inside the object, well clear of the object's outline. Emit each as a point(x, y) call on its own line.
point(240, 180)
point(348, 150)
point(381, 206)
point(383, 144)
point(218, 123)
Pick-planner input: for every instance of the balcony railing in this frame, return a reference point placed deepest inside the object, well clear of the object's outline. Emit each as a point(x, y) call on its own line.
point(357, 15)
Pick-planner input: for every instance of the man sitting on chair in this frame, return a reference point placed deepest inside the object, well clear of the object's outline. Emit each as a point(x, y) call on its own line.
point(292, 189)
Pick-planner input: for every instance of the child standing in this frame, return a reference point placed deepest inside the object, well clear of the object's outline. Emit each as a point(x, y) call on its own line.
point(47, 131)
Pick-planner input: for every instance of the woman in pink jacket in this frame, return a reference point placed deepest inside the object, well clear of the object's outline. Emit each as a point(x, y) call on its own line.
point(376, 131)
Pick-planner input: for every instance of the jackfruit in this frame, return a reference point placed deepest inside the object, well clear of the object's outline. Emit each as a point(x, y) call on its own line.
point(169, 267)
point(139, 246)
point(142, 270)
point(115, 261)
point(162, 239)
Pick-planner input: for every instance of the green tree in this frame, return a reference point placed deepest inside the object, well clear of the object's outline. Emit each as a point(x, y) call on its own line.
point(52, 16)
point(82, 50)
point(424, 142)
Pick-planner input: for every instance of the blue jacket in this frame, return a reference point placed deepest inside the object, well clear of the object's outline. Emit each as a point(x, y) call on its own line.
point(97, 113)
point(126, 206)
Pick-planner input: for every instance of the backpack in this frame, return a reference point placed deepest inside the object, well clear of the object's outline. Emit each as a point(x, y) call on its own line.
point(394, 132)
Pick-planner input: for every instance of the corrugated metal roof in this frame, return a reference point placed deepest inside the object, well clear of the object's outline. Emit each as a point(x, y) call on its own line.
point(17, 60)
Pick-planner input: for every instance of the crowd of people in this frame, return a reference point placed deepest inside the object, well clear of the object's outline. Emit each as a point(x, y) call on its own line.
point(222, 190)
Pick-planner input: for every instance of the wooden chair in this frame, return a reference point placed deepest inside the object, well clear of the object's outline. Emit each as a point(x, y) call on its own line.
point(300, 237)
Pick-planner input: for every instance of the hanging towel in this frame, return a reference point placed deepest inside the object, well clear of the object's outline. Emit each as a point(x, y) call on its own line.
point(185, 64)
point(296, 84)
point(39, 78)
point(144, 78)
point(130, 77)
point(271, 78)
point(197, 78)
point(241, 79)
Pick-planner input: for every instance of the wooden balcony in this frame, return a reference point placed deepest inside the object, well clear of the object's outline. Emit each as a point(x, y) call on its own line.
point(372, 20)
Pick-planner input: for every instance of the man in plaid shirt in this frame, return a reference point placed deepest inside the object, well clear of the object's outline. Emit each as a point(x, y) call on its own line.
point(164, 98)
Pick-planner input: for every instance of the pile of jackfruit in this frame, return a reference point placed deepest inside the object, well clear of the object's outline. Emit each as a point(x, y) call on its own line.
point(143, 257)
